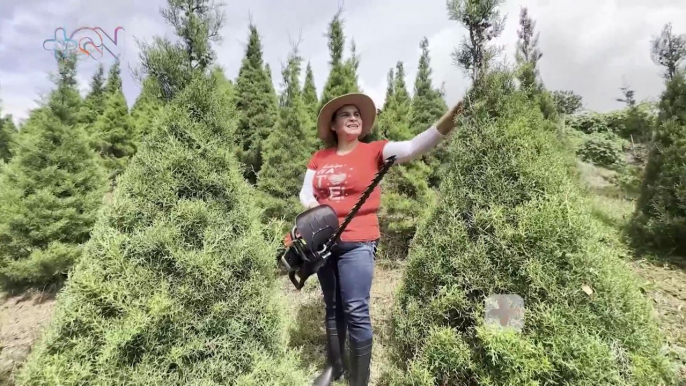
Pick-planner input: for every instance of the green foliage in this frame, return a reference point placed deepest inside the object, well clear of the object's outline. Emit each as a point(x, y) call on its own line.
point(513, 220)
point(602, 149)
point(567, 102)
point(172, 64)
point(8, 132)
point(146, 108)
point(113, 135)
point(427, 102)
point(177, 284)
point(257, 104)
point(660, 218)
point(65, 102)
point(528, 54)
point(94, 103)
point(634, 123)
point(668, 50)
point(50, 193)
point(483, 22)
point(287, 149)
point(310, 92)
point(342, 77)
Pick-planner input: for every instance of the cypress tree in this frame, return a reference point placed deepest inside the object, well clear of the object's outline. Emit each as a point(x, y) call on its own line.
point(407, 195)
point(177, 284)
point(94, 103)
point(7, 135)
point(257, 103)
point(342, 77)
point(310, 92)
point(114, 136)
point(287, 149)
point(146, 108)
point(660, 218)
point(512, 220)
point(427, 102)
point(50, 192)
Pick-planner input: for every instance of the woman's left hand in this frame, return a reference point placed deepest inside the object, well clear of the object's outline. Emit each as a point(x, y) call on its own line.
point(447, 121)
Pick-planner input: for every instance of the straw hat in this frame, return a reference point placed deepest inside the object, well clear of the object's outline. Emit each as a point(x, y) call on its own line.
point(363, 102)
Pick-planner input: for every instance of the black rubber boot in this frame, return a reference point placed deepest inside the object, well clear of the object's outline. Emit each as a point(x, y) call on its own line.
point(334, 349)
point(360, 359)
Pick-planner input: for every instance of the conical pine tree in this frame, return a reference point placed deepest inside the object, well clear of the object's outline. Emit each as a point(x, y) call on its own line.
point(407, 195)
point(8, 133)
point(146, 108)
point(427, 102)
point(512, 223)
point(256, 103)
point(342, 77)
point(287, 149)
point(94, 104)
point(50, 193)
point(428, 106)
point(114, 137)
point(177, 284)
point(310, 92)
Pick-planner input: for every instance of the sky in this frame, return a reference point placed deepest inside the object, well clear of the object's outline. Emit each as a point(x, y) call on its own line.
point(592, 47)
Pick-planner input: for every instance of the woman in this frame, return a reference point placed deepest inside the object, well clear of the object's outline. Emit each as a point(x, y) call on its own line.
point(337, 176)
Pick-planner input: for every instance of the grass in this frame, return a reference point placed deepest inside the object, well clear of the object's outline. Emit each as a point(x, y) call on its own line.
point(663, 278)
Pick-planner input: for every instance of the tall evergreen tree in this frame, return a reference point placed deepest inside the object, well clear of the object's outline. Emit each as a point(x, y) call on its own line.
point(407, 194)
point(177, 284)
point(65, 102)
point(427, 102)
point(342, 77)
point(669, 50)
point(483, 22)
point(660, 218)
point(114, 137)
point(528, 54)
point(197, 24)
point(257, 103)
point(8, 133)
point(310, 92)
point(146, 108)
point(287, 149)
point(50, 192)
point(94, 103)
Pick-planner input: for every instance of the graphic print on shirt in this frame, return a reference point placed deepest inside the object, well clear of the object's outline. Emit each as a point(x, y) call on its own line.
point(332, 178)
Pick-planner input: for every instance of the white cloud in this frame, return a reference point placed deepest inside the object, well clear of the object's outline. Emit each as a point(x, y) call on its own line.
point(588, 46)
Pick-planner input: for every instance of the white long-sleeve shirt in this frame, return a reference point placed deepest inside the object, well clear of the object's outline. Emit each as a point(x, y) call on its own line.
point(404, 151)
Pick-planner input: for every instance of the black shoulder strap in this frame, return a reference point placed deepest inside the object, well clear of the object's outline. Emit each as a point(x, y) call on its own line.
point(377, 178)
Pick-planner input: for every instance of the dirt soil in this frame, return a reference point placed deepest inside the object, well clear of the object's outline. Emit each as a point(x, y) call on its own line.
point(22, 318)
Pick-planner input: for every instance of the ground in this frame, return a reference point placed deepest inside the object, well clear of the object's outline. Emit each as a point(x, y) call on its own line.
point(22, 317)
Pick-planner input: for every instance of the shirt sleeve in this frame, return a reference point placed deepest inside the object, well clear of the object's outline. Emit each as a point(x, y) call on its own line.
point(405, 151)
point(306, 191)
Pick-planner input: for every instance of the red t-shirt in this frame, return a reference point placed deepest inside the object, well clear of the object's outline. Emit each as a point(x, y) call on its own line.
point(340, 180)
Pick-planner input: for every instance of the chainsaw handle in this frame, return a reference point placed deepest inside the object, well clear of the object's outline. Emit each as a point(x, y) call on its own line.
point(298, 285)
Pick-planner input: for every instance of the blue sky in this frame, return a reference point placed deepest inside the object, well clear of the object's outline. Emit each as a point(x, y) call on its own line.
point(591, 47)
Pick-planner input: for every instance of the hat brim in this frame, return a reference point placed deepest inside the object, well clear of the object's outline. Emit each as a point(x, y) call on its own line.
point(363, 102)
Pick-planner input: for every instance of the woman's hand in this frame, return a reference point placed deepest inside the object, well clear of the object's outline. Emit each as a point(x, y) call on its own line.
point(447, 121)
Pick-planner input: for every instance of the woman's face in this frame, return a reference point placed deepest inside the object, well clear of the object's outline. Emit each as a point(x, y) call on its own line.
point(347, 122)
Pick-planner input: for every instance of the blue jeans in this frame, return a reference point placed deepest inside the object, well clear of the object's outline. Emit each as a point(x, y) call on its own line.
point(350, 268)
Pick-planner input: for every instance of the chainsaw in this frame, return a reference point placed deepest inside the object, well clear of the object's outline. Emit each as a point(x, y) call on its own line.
point(308, 245)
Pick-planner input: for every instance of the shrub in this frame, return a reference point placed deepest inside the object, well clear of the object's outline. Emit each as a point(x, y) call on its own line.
point(511, 220)
point(602, 150)
point(177, 284)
